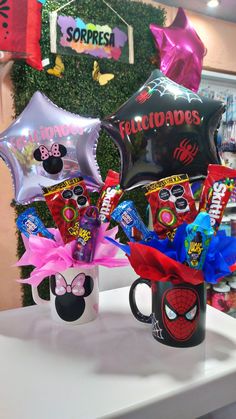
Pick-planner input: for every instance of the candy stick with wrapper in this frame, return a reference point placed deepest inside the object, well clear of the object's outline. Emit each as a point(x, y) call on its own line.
point(86, 240)
point(197, 240)
point(29, 223)
point(127, 216)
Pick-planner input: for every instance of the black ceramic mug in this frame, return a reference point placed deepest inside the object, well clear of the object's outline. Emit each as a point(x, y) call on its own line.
point(178, 312)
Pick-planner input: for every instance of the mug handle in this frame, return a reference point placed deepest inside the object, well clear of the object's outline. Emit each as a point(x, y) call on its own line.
point(37, 299)
point(132, 301)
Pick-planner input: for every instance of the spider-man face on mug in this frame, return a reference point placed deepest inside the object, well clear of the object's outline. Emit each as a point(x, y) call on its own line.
point(69, 302)
point(180, 310)
point(52, 159)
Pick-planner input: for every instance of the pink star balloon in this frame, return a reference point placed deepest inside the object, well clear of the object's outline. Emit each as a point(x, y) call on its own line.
point(181, 51)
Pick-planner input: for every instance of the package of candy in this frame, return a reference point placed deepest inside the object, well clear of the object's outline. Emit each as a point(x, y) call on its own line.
point(86, 240)
point(29, 223)
point(197, 241)
point(216, 191)
point(110, 196)
point(172, 203)
point(127, 216)
point(67, 202)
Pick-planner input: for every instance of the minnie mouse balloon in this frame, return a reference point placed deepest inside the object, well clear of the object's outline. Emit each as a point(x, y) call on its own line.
point(46, 145)
point(164, 129)
point(181, 51)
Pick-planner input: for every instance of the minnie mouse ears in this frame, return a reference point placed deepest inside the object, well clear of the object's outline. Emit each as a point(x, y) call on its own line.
point(20, 30)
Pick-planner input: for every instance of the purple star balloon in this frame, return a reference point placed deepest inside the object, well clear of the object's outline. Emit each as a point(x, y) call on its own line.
point(181, 51)
point(46, 145)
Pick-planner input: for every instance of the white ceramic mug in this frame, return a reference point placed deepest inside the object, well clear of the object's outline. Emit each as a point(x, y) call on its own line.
point(74, 295)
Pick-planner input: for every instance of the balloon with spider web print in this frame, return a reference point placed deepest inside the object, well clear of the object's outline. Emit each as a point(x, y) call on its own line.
point(164, 129)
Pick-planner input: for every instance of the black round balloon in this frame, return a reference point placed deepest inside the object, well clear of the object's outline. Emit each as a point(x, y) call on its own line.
point(164, 129)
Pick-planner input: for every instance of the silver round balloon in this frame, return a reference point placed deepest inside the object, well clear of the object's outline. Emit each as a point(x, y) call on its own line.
point(46, 145)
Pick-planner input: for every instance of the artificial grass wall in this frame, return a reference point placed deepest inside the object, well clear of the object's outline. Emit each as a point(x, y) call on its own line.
point(78, 92)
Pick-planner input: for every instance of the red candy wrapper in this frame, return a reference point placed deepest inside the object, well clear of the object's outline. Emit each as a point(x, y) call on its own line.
point(67, 202)
point(110, 196)
point(216, 191)
point(172, 204)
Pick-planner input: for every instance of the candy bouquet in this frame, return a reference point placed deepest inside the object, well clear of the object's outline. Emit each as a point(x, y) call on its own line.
point(186, 244)
point(185, 250)
point(71, 254)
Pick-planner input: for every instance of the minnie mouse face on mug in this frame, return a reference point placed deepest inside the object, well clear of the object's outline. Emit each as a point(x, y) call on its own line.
point(69, 302)
point(52, 159)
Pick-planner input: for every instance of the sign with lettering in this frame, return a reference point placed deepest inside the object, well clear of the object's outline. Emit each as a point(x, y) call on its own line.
point(73, 36)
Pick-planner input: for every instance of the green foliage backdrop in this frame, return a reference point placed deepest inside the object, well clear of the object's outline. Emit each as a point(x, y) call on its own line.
point(77, 92)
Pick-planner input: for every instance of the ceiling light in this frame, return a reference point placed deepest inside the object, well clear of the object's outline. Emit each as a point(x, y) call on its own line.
point(213, 3)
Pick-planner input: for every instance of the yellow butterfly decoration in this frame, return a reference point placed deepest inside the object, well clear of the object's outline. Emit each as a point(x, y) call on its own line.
point(102, 79)
point(58, 69)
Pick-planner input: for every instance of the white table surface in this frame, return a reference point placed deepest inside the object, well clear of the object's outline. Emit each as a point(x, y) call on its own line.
point(111, 367)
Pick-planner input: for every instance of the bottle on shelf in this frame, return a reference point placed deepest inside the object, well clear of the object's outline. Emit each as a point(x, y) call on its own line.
point(226, 225)
point(220, 297)
point(233, 225)
point(232, 293)
point(209, 294)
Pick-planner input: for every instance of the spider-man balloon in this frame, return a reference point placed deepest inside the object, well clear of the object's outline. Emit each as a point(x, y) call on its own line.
point(46, 145)
point(164, 129)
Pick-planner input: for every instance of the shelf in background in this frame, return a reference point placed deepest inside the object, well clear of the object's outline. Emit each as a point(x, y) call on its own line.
point(231, 205)
point(232, 313)
point(220, 77)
